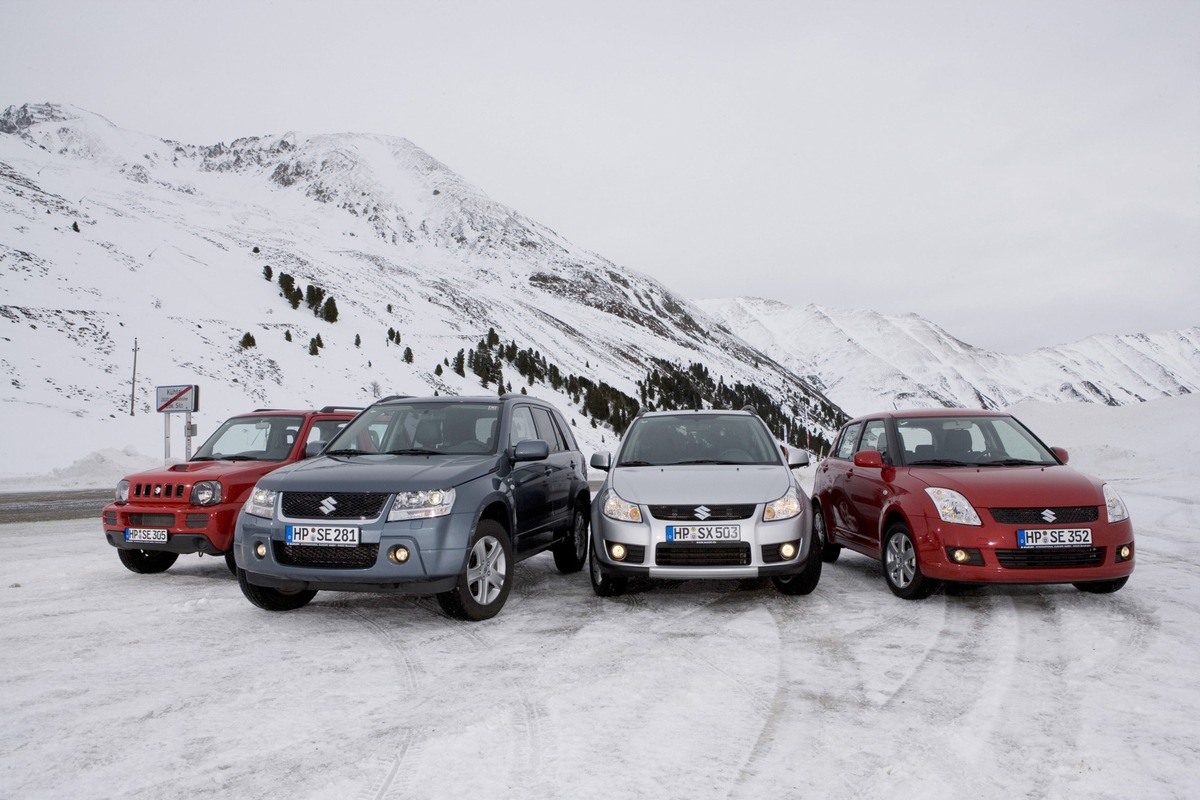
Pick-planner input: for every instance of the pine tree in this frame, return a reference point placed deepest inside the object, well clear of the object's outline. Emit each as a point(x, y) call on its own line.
point(313, 348)
point(329, 311)
point(267, 273)
point(248, 340)
point(318, 341)
point(287, 336)
point(408, 355)
point(357, 340)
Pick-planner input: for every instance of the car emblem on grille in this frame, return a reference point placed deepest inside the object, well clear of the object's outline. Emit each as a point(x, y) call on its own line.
point(702, 513)
point(1049, 515)
point(157, 491)
point(328, 506)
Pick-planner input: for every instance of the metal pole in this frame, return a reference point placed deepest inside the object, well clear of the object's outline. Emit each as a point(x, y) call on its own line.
point(133, 383)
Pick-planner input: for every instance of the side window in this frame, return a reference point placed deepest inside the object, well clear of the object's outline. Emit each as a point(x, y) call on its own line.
point(323, 430)
point(846, 442)
point(564, 433)
point(522, 427)
point(875, 438)
point(546, 430)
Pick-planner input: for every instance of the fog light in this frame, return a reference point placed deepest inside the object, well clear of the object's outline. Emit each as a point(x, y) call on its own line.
point(260, 550)
point(1125, 552)
point(617, 552)
point(398, 554)
point(960, 556)
point(787, 550)
point(965, 556)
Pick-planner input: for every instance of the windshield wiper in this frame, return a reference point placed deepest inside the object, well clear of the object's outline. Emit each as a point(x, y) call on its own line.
point(636, 464)
point(236, 458)
point(939, 462)
point(1015, 462)
point(414, 451)
point(706, 461)
point(353, 451)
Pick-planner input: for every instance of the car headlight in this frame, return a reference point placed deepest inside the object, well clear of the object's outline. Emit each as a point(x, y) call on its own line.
point(122, 493)
point(785, 507)
point(1116, 508)
point(206, 493)
point(953, 507)
point(260, 503)
point(421, 505)
point(616, 508)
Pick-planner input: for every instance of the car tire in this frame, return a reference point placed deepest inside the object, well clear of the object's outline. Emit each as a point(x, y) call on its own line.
point(270, 599)
point(902, 567)
point(804, 581)
point(486, 578)
point(605, 584)
point(1102, 587)
point(829, 550)
point(572, 552)
point(230, 561)
point(146, 562)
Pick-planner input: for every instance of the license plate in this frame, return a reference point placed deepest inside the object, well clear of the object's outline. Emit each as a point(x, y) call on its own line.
point(1054, 537)
point(145, 534)
point(704, 533)
point(324, 535)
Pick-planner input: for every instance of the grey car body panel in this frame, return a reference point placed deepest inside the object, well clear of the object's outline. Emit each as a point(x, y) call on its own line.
point(681, 485)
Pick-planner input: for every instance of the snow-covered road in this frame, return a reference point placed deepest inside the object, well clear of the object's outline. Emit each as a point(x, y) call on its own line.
point(121, 685)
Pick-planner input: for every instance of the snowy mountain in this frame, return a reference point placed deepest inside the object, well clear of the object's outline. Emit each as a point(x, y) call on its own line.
point(864, 360)
point(112, 237)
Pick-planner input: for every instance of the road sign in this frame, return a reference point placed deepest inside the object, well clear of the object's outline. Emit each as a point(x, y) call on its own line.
point(172, 399)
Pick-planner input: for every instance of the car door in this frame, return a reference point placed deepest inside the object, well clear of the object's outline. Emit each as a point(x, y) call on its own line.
point(530, 485)
point(865, 488)
point(560, 468)
point(831, 483)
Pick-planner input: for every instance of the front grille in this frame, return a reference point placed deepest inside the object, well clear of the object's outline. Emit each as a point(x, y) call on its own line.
point(157, 491)
point(137, 520)
point(1049, 558)
point(342, 505)
point(710, 514)
point(110, 518)
point(1065, 515)
point(308, 555)
point(702, 555)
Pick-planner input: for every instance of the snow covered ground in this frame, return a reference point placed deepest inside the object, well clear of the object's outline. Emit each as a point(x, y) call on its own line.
point(121, 685)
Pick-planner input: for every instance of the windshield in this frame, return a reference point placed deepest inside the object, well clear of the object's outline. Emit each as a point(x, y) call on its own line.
point(698, 439)
point(251, 439)
point(424, 428)
point(970, 441)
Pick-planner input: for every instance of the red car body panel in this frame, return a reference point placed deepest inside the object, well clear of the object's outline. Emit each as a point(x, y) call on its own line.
point(860, 503)
point(161, 498)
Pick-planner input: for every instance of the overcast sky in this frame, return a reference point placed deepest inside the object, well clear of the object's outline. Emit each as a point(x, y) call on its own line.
point(1022, 173)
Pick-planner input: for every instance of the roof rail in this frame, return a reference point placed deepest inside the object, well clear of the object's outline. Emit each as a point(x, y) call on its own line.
point(327, 409)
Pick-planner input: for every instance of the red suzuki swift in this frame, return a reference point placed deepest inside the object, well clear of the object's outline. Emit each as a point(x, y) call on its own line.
point(967, 497)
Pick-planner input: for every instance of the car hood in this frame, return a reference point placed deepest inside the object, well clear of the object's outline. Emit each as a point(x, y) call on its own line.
point(192, 471)
point(1016, 487)
point(379, 473)
point(701, 483)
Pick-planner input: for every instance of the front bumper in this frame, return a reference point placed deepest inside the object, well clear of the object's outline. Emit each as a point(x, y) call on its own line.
point(998, 559)
point(190, 529)
point(650, 554)
point(437, 550)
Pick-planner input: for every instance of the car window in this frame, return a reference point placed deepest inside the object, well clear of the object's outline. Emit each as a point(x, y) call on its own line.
point(698, 439)
point(874, 437)
point(522, 427)
point(258, 438)
point(546, 429)
point(846, 442)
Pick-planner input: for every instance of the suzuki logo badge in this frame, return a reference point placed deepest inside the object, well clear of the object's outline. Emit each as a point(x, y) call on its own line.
point(702, 513)
point(328, 505)
point(1049, 515)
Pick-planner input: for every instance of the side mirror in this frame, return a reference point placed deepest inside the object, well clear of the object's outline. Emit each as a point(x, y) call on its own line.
point(1061, 453)
point(601, 461)
point(797, 458)
point(313, 448)
point(869, 459)
point(531, 450)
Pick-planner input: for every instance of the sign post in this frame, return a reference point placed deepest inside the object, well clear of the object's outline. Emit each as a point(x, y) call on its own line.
point(175, 400)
